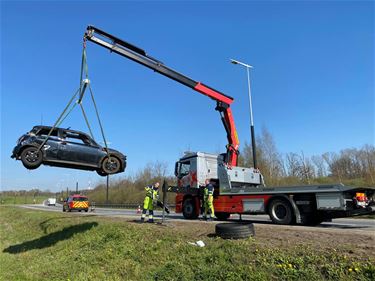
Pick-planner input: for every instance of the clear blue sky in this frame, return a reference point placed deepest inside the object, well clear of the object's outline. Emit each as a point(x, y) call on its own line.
point(312, 83)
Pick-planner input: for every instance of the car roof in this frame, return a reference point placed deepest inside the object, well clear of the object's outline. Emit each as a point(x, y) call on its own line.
point(38, 127)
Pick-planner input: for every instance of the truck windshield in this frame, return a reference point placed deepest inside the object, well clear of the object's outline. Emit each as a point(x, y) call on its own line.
point(184, 169)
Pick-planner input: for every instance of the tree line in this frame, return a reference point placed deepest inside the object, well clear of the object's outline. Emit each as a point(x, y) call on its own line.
point(352, 166)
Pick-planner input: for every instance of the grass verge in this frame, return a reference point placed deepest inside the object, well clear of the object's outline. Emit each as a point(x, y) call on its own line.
point(37, 245)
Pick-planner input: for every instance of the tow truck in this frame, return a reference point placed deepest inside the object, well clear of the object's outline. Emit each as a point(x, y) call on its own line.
point(239, 190)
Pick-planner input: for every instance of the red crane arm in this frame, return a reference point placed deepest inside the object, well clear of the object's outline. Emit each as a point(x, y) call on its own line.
point(138, 55)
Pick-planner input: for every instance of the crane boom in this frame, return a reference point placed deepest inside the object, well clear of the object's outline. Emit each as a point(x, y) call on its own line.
point(138, 55)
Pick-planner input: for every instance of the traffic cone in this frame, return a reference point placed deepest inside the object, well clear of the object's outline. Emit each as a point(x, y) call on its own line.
point(139, 209)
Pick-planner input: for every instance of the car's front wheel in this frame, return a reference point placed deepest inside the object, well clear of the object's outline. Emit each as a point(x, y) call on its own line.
point(111, 165)
point(31, 157)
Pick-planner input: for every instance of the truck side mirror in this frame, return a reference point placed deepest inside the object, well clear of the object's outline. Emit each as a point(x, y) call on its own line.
point(176, 169)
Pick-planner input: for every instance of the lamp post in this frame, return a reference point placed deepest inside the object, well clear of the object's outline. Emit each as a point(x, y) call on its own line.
point(251, 109)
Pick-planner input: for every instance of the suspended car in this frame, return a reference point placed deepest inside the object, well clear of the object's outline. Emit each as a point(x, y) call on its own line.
point(68, 149)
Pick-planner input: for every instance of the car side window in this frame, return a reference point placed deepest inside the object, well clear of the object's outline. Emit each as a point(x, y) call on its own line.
point(45, 131)
point(76, 138)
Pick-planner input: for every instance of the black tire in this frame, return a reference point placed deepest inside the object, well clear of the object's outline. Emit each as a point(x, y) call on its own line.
point(188, 209)
point(86, 210)
point(234, 230)
point(280, 212)
point(222, 216)
point(111, 165)
point(31, 158)
point(79, 210)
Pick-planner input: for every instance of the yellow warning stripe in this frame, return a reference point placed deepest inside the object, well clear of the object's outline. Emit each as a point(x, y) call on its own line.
point(80, 204)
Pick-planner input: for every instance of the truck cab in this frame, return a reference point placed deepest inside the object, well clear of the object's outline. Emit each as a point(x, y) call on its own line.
point(194, 168)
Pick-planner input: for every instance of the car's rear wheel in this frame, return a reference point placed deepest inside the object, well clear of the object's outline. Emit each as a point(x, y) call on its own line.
point(31, 157)
point(111, 165)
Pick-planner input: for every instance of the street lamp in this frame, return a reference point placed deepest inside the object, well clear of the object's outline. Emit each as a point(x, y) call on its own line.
point(251, 109)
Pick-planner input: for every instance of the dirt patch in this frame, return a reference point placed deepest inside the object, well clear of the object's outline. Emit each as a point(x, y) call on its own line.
point(348, 242)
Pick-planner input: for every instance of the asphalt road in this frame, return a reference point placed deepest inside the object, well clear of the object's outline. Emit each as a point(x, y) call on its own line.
point(367, 225)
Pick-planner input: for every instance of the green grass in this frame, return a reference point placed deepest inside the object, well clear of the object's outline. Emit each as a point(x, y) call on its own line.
point(20, 199)
point(38, 245)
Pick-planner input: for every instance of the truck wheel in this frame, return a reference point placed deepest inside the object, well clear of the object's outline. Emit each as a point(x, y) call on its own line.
point(86, 210)
point(222, 216)
point(234, 230)
point(281, 212)
point(31, 158)
point(188, 209)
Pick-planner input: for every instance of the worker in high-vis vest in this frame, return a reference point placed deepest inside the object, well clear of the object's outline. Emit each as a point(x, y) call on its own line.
point(208, 199)
point(152, 195)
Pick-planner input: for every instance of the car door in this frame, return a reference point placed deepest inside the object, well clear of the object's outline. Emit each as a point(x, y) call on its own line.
point(51, 147)
point(76, 149)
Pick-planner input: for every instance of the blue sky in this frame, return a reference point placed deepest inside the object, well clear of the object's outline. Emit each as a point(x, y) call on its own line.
point(312, 82)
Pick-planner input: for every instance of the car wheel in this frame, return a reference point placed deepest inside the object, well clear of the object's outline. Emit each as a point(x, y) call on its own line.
point(280, 212)
point(31, 158)
point(86, 210)
point(234, 230)
point(111, 165)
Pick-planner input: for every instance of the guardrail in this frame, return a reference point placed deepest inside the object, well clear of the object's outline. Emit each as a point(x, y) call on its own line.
point(123, 206)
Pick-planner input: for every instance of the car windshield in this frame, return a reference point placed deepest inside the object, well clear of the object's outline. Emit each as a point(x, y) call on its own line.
point(81, 199)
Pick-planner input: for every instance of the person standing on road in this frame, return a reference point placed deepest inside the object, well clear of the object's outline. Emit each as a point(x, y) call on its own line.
point(152, 194)
point(208, 199)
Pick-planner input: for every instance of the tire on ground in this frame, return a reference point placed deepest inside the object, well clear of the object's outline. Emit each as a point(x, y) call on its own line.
point(188, 209)
point(234, 230)
point(31, 158)
point(281, 212)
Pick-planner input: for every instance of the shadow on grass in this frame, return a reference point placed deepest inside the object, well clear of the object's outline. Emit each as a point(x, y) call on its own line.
point(50, 239)
point(44, 225)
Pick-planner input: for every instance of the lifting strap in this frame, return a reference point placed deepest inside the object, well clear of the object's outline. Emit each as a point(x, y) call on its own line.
point(69, 107)
point(83, 86)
